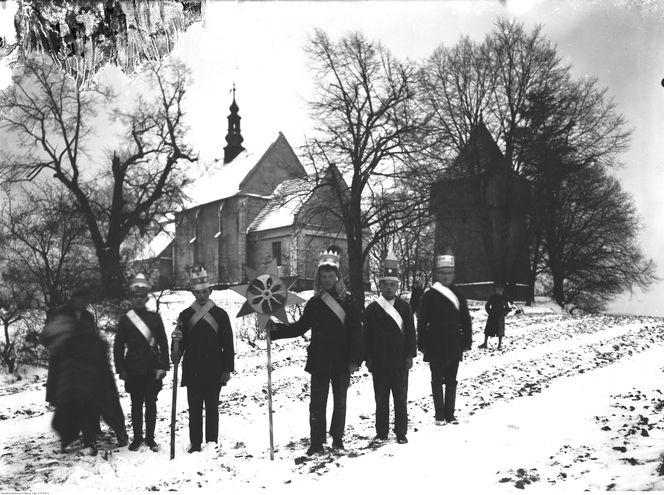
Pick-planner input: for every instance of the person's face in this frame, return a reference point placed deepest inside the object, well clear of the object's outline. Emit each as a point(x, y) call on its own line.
point(138, 301)
point(328, 279)
point(445, 275)
point(202, 295)
point(79, 302)
point(388, 289)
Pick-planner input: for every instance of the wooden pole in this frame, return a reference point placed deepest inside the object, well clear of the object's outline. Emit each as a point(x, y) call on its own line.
point(269, 390)
point(176, 352)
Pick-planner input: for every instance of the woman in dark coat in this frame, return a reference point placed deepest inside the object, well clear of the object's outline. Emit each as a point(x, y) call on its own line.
point(497, 308)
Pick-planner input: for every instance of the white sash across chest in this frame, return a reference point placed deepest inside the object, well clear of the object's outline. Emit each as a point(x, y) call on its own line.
point(332, 303)
point(391, 311)
point(202, 312)
point(142, 327)
point(447, 293)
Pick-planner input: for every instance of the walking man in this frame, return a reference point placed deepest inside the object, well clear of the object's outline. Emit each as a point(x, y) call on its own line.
point(497, 307)
point(335, 350)
point(389, 349)
point(208, 357)
point(444, 332)
point(141, 359)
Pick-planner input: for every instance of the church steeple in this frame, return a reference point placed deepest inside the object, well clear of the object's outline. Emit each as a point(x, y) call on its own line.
point(234, 137)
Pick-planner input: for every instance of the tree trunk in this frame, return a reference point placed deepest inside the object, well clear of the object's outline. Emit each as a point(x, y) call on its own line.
point(356, 282)
point(7, 352)
point(558, 279)
point(112, 273)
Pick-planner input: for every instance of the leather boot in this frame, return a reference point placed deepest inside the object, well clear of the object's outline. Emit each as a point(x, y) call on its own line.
point(437, 393)
point(450, 399)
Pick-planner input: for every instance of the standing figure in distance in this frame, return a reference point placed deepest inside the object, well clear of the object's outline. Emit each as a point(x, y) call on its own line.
point(444, 332)
point(208, 358)
point(416, 296)
point(144, 364)
point(389, 349)
point(335, 350)
point(497, 307)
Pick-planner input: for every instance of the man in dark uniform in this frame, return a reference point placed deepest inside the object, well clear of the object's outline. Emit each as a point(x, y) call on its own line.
point(205, 340)
point(389, 349)
point(335, 350)
point(80, 383)
point(444, 333)
point(141, 334)
point(497, 307)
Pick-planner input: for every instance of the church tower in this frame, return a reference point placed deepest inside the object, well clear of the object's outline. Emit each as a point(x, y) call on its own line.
point(234, 136)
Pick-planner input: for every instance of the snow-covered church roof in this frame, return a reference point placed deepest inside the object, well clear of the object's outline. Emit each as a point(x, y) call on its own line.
point(224, 180)
point(284, 205)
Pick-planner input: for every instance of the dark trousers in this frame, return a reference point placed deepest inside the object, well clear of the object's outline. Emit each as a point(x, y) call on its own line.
point(444, 373)
point(197, 396)
point(143, 390)
point(393, 380)
point(320, 387)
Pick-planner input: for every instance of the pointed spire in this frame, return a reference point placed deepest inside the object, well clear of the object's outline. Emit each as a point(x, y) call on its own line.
point(234, 136)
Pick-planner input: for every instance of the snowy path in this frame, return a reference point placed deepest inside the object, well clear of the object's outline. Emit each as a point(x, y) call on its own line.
point(511, 405)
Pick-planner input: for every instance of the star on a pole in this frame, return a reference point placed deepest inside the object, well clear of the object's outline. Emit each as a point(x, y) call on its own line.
point(267, 295)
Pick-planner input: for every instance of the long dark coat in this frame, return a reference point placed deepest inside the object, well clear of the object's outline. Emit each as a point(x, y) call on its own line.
point(497, 308)
point(334, 345)
point(206, 354)
point(84, 324)
point(443, 331)
point(385, 344)
point(139, 358)
point(82, 380)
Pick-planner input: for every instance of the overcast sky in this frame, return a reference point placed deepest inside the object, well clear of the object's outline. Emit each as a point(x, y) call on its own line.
point(259, 46)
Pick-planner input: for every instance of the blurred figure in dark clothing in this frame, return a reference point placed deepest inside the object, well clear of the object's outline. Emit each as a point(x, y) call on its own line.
point(80, 382)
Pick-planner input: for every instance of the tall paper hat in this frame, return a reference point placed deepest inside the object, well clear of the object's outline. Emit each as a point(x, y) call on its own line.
point(139, 285)
point(445, 261)
point(389, 268)
point(329, 257)
point(199, 278)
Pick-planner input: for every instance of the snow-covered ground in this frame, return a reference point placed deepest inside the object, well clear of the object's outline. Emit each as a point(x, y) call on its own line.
point(568, 404)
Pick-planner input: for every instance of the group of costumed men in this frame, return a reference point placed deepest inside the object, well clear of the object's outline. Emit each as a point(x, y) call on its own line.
point(82, 388)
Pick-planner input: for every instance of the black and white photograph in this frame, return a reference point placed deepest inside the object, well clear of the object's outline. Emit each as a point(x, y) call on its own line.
point(284, 247)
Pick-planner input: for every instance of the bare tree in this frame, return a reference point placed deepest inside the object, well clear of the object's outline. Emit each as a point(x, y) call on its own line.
point(593, 252)
point(43, 243)
point(50, 119)
point(366, 128)
point(15, 302)
point(570, 129)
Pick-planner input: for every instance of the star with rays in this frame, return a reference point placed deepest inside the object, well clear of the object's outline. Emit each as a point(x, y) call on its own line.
point(267, 294)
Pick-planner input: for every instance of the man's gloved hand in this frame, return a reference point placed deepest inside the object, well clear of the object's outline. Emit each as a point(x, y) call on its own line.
point(370, 365)
point(225, 377)
point(353, 367)
point(409, 362)
point(159, 374)
point(177, 334)
point(123, 375)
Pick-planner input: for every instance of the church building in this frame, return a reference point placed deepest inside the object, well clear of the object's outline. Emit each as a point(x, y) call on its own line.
point(255, 205)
